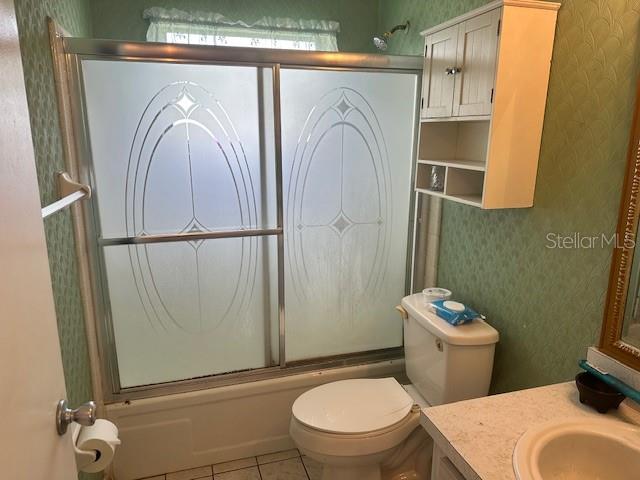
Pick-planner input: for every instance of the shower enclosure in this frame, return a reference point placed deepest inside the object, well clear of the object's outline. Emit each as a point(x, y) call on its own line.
point(252, 212)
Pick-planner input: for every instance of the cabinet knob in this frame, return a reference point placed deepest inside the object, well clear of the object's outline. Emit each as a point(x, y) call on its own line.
point(452, 70)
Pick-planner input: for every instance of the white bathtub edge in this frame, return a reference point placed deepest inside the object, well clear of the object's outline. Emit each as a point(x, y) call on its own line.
point(187, 430)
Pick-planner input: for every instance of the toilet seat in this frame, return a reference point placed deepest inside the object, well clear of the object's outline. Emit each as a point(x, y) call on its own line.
point(353, 444)
point(357, 406)
point(355, 428)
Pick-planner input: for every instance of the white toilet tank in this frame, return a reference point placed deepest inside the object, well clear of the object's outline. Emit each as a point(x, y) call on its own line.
point(446, 363)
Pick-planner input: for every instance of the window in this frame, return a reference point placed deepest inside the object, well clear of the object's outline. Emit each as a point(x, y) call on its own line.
point(175, 26)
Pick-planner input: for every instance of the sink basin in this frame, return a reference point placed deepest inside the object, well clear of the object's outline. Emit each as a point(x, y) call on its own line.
point(579, 449)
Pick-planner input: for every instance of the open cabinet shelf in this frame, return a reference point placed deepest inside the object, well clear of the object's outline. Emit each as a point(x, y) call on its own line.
point(470, 118)
point(458, 184)
point(472, 200)
point(464, 164)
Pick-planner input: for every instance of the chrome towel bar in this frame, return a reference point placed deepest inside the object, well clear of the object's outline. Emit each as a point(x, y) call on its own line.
point(190, 236)
point(69, 192)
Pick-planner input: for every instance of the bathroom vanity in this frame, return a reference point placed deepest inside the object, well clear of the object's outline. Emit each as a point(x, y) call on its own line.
point(475, 439)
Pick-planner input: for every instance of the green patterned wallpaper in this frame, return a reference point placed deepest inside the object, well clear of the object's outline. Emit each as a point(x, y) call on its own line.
point(38, 72)
point(358, 18)
point(422, 14)
point(73, 15)
point(547, 304)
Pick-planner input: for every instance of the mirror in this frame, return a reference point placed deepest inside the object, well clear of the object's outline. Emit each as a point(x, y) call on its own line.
point(620, 337)
point(631, 319)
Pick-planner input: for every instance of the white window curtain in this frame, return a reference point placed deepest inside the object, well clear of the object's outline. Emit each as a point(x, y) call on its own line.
point(201, 28)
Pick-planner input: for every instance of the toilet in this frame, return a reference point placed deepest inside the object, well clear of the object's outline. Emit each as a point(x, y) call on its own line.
point(369, 429)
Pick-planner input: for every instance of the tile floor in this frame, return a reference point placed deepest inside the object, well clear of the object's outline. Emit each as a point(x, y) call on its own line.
point(287, 465)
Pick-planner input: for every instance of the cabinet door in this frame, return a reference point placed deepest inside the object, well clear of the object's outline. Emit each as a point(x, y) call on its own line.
point(448, 471)
point(476, 59)
point(438, 76)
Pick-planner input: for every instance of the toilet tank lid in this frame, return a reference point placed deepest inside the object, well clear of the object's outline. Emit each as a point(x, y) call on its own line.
point(477, 332)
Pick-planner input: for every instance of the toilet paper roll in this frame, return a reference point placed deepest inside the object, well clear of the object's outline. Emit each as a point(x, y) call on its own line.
point(102, 438)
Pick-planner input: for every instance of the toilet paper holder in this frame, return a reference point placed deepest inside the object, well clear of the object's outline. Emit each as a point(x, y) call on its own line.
point(84, 415)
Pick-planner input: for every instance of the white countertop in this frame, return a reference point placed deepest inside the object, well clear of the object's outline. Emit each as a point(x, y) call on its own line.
point(479, 435)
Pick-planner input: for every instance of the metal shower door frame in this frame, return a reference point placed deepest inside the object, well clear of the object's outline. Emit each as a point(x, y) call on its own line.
point(78, 49)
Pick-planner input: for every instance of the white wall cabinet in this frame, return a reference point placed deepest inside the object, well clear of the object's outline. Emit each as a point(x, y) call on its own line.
point(476, 64)
point(484, 92)
point(438, 77)
point(460, 68)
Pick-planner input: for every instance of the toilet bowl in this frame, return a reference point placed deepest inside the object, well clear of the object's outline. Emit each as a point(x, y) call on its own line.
point(369, 429)
point(365, 429)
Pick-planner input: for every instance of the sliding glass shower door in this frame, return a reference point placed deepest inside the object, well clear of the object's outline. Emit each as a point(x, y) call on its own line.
point(245, 216)
point(347, 140)
point(184, 150)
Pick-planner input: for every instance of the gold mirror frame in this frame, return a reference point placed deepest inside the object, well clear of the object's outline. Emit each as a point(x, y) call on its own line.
point(610, 339)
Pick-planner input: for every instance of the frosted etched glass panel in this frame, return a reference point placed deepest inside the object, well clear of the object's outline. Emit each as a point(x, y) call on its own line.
point(179, 148)
point(182, 148)
point(189, 309)
point(347, 152)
